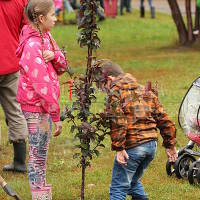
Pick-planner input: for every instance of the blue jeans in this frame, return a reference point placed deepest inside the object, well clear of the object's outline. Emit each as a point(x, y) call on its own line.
point(142, 3)
point(126, 179)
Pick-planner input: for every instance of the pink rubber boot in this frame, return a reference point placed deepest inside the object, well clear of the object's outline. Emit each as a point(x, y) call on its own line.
point(43, 193)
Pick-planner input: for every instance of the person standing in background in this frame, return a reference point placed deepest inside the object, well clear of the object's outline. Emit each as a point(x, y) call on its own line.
point(100, 11)
point(142, 9)
point(12, 19)
point(110, 8)
point(127, 4)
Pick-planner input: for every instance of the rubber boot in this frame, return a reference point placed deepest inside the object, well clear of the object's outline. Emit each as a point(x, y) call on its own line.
point(42, 193)
point(18, 164)
point(152, 12)
point(142, 11)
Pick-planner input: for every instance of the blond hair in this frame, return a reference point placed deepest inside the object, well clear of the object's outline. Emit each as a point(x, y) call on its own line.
point(34, 8)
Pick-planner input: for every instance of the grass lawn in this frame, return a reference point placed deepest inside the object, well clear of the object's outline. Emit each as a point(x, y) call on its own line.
point(148, 49)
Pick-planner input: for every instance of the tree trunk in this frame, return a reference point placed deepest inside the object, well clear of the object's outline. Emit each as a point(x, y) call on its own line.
point(189, 21)
point(83, 179)
point(178, 20)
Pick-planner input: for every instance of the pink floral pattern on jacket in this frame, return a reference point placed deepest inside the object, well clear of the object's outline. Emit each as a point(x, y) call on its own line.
point(38, 89)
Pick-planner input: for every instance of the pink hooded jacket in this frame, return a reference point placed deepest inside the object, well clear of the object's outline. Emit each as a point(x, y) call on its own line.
point(38, 89)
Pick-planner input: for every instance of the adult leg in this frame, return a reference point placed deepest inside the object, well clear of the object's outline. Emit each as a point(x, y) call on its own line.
point(100, 15)
point(122, 2)
point(128, 6)
point(142, 9)
point(107, 8)
point(17, 127)
point(39, 126)
point(100, 12)
point(101, 3)
point(152, 8)
point(114, 8)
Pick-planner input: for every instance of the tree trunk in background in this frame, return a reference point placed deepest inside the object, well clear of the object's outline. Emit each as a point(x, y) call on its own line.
point(0, 136)
point(189, 21)
point(178, 20)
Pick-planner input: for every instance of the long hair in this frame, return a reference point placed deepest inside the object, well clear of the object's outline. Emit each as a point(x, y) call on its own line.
point(34, 8)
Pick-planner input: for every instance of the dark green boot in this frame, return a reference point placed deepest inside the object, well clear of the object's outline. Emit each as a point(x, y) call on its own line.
point(142, 11)
point(152, 12)
point(18, 164)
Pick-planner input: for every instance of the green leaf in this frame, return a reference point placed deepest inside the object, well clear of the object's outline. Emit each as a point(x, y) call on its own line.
point(73, 127)
point(101, 145)
point(96, 152)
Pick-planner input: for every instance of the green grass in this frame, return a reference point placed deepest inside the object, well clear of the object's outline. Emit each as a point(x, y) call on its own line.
point(148, 49)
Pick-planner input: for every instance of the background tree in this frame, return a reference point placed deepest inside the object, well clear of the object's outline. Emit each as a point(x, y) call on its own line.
point(185, 31)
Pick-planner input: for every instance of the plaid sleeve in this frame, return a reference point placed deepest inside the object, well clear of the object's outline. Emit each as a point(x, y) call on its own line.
point(118, 125)
point(165, 125)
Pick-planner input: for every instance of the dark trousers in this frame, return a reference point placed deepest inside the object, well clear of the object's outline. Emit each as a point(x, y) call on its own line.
point(126, 4)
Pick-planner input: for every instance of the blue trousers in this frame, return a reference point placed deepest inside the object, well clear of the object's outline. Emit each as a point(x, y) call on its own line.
point(126, 179)
point(150, 3)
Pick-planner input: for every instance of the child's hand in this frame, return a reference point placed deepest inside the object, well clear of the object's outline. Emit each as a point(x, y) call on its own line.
point(58, 128)
point(122, 157)
point(48, 55)
point(172, 154)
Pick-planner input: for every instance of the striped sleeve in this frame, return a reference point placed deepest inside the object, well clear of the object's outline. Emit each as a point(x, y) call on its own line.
point(165, 125)
point(118, 125)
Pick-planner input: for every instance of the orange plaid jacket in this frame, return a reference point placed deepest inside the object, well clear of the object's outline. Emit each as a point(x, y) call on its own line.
point(136, 114)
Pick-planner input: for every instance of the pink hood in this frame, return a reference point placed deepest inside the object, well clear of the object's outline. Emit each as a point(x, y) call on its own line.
point(26, 33)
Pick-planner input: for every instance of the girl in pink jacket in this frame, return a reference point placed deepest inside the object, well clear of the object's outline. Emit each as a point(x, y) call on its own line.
point(40, 62)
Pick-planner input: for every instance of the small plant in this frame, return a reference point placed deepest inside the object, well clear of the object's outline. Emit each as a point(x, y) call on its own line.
point(88, 127)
